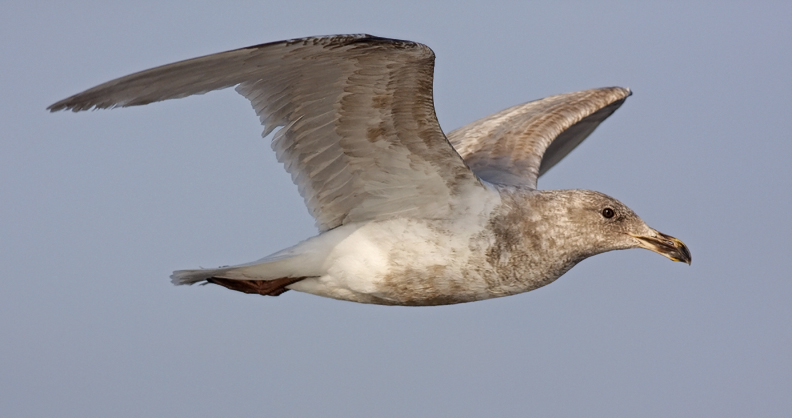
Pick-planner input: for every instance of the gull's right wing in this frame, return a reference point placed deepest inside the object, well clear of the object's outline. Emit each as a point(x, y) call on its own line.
point(359, 133)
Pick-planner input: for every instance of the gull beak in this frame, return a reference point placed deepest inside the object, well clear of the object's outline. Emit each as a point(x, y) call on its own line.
point(665, 245)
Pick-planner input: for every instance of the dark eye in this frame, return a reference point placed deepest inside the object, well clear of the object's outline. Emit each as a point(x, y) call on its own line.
point(608, 213)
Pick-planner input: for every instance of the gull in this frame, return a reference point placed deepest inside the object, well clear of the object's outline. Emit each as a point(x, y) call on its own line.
point(407, 215)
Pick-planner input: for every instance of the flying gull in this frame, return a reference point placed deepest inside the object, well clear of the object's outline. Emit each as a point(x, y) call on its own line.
point(407, 215)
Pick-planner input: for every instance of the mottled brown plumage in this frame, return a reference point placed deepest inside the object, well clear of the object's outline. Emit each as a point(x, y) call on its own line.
point(405, 217)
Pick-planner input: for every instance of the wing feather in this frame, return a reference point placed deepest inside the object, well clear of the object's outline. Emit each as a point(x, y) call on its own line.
point(517, 145)
point(358, 135)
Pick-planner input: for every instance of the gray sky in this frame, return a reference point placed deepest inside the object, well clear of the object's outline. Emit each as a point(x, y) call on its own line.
point(97, 208)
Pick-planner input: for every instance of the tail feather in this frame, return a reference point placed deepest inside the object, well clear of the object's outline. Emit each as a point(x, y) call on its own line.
point(284, 264)
point(292, 264)
point(190, 277)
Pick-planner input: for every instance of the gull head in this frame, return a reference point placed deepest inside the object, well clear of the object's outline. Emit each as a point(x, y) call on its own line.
point(593, 223)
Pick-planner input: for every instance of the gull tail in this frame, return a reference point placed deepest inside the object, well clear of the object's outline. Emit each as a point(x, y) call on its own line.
point(268, 268)
point(268, 276)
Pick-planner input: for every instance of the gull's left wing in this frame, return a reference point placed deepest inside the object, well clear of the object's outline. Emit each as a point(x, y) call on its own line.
point(517, 145)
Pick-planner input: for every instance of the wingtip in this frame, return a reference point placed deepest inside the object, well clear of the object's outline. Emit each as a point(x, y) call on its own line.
point(55, 107)
point(68, 104)
point(78, 103)
point(619, 94)
point(72, 103)
point(625, 92)
point(629, 91)
point(614, 92)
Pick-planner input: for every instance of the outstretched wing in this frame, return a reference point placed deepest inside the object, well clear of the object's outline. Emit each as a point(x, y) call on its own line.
point(359, 133)
point(517, 145)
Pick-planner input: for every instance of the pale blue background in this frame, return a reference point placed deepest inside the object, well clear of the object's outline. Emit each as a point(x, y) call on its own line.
point(97, 208)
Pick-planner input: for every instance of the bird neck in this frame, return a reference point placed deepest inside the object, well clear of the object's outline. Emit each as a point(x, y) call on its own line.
point(531, 243)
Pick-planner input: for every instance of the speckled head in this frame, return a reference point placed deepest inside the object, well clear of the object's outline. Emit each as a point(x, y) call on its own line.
point(592, 223)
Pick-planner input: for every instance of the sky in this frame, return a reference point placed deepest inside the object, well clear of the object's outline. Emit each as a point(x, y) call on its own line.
point(97, 208)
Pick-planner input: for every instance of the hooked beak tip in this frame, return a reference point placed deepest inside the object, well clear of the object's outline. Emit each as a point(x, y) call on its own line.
point(666, 245)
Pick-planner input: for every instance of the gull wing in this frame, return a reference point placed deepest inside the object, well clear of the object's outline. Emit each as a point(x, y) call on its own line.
point(359, 133)
point(517, 145)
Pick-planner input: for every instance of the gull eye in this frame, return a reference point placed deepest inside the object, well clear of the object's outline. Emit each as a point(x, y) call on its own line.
point(608, 213)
